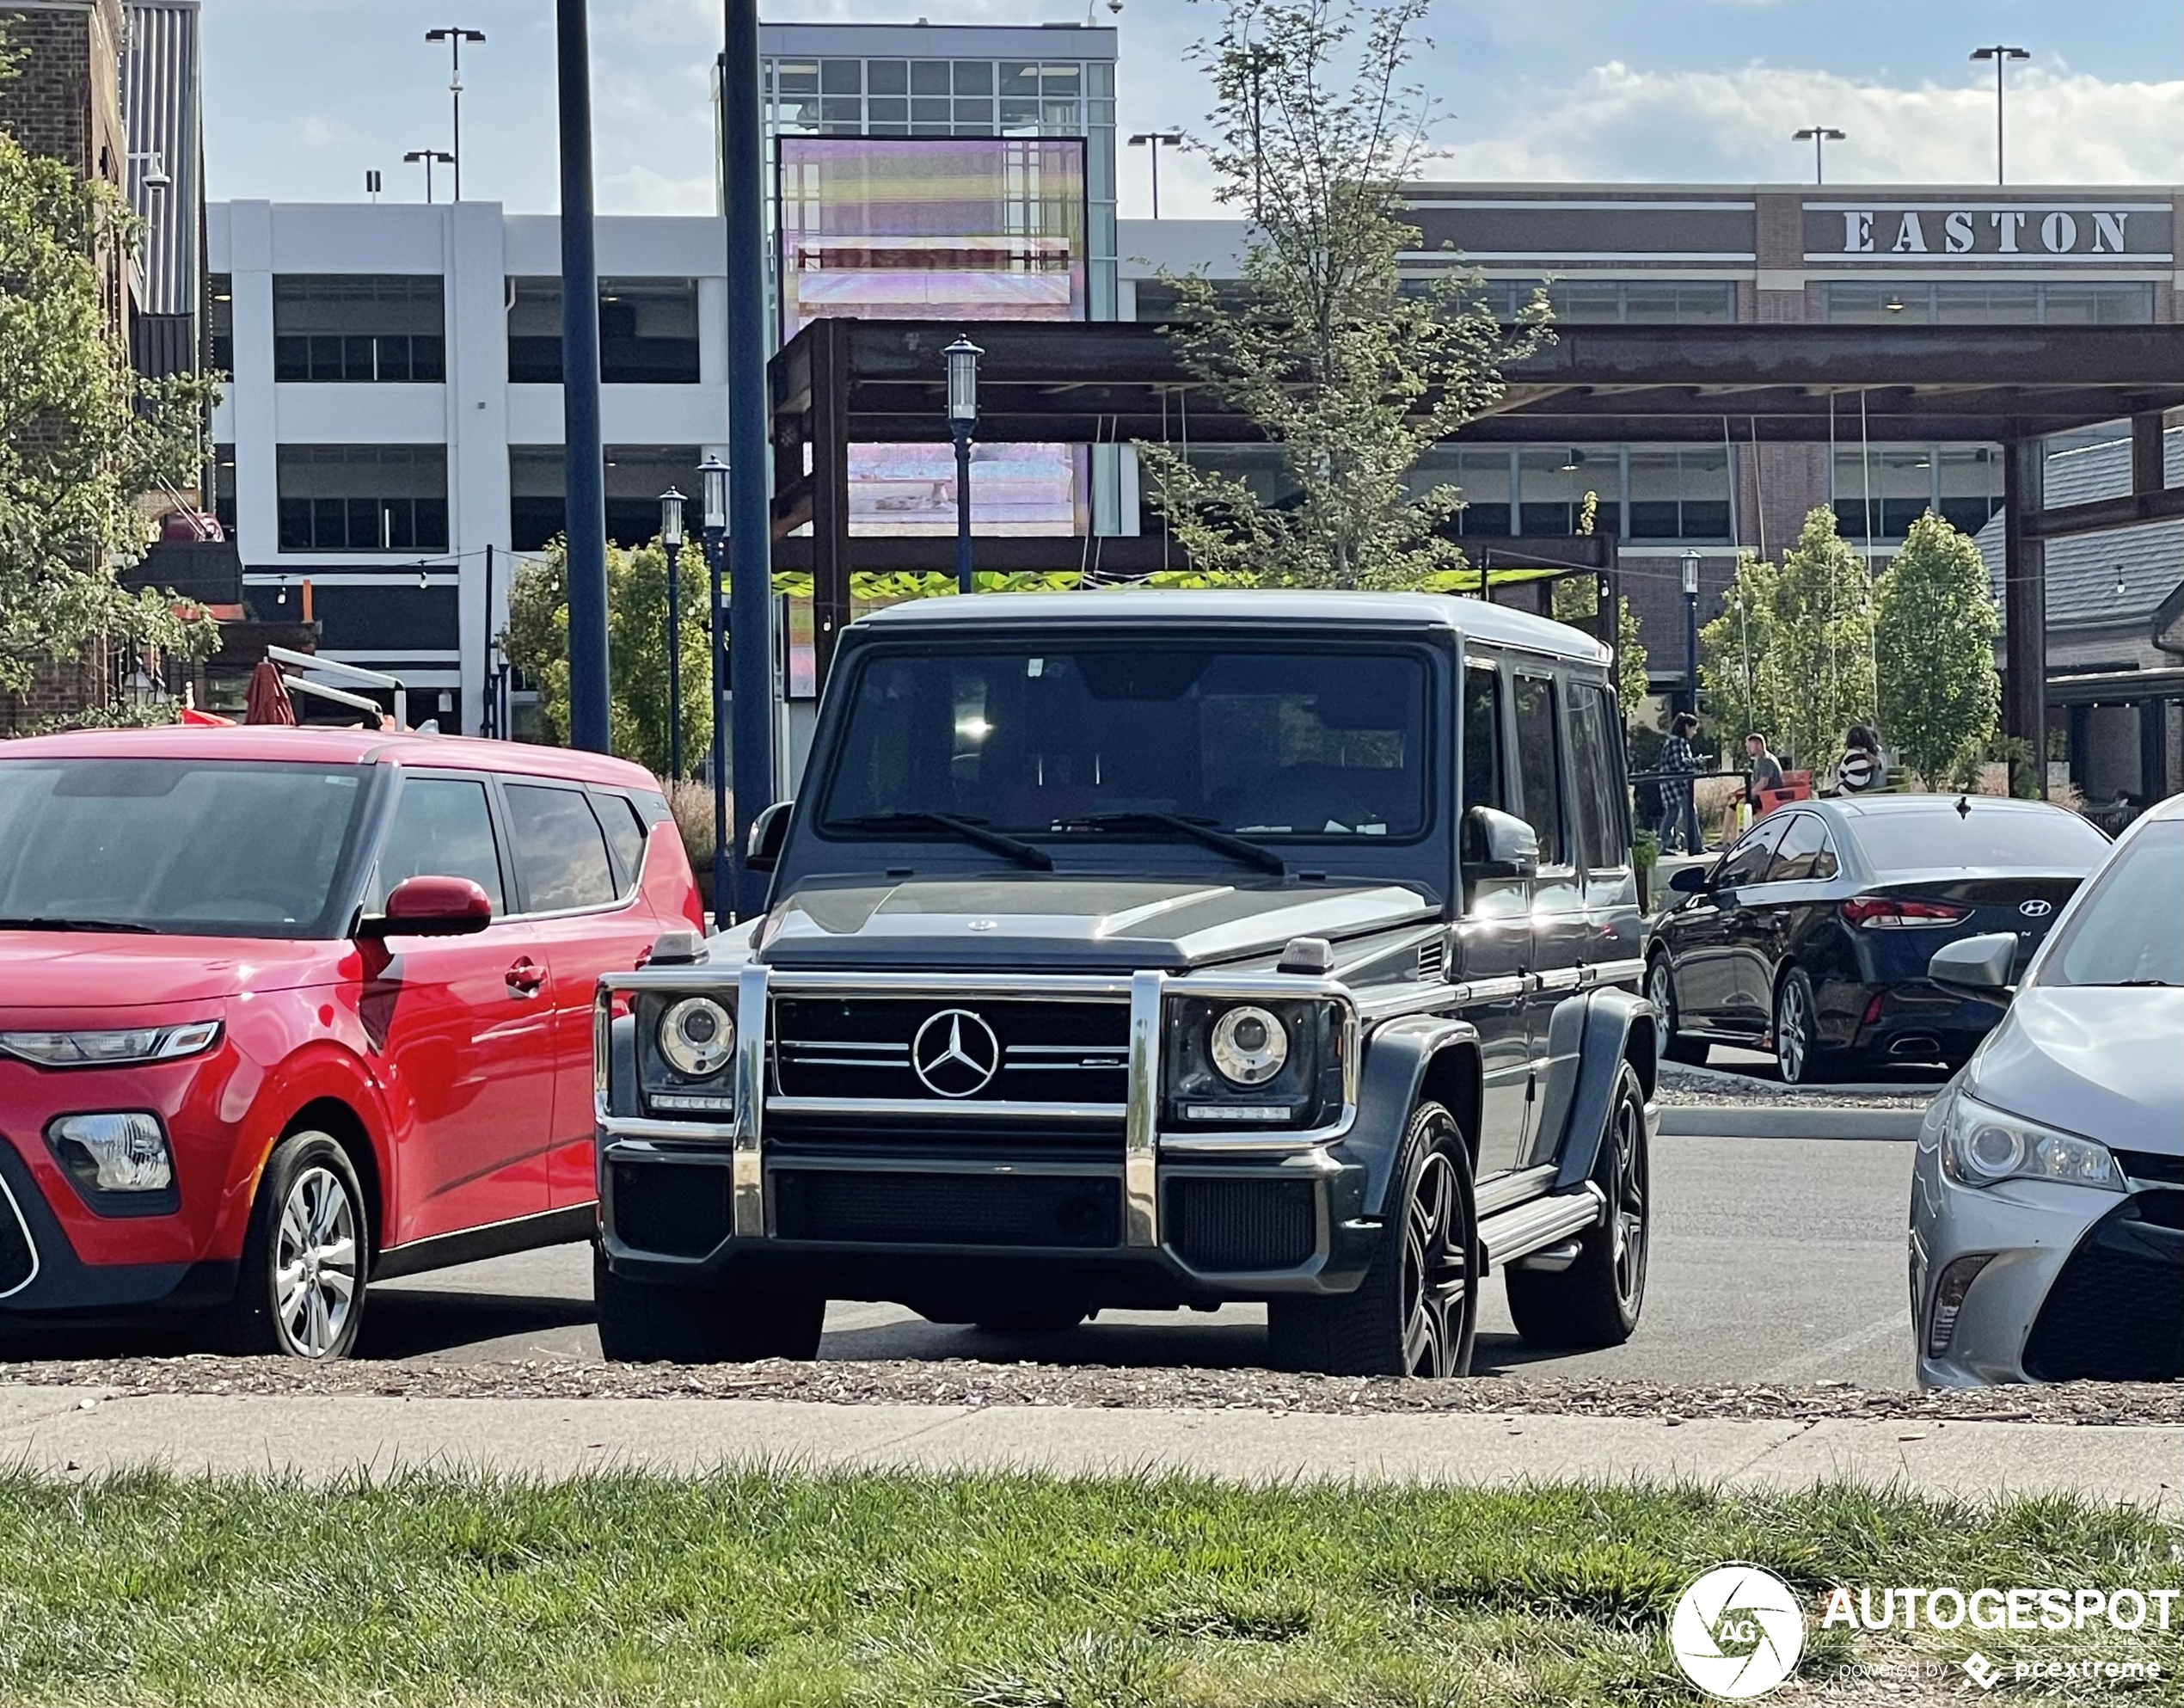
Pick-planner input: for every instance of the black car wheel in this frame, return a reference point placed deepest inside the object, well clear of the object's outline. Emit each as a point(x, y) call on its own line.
point(305, 1257)
point(1416, 1312)
point(1661, 990)
point(730, 1323)
point(1799, 1057)
point(1596, 1301)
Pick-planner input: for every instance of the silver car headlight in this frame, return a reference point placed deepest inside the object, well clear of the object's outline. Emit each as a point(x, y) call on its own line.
point(1248, 1045)
point(1983, 1146)
point(111, 1050)
point(696, 1037)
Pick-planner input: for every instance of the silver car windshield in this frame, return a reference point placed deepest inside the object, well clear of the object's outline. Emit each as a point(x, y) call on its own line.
point(2130, 928)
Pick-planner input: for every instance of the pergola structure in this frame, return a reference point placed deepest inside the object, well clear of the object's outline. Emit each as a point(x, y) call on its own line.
point(843, 382)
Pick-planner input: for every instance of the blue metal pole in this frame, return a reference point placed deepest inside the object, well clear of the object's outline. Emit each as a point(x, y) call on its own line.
point(675, 661)
point(586, 517)
point(724, 861)
point(963, 571)
point(750, 661)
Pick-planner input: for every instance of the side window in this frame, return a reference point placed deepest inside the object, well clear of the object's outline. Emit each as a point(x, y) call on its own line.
point(1804, 853)
point(1539, 760)
point(443, 828)
point(1746, 862)
point(625, 835)
point(1596, 785)
point(1483, 782)
point(560, 852)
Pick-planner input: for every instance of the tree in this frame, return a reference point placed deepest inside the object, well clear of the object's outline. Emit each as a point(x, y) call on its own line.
point(1791, 653)
point(1576, 601)
point(536, 640)
point(1934, 632)
point(81, 435)
point(1349, 369)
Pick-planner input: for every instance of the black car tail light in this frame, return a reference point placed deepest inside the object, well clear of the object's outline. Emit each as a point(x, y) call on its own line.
point(1898, 912)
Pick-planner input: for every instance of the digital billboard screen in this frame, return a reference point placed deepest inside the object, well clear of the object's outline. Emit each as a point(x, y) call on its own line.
point(938, 228)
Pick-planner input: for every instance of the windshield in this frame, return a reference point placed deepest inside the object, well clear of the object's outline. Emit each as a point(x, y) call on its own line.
point(1988, 835)
point(179, 846)
point(1037, 739)
point(2130, 928)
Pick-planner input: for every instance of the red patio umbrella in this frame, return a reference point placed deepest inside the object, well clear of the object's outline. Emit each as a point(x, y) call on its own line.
point(266, 701)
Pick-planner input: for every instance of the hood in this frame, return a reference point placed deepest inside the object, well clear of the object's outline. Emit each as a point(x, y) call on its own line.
point(1064, 923)
point(43, 974)
point(2091, 1059)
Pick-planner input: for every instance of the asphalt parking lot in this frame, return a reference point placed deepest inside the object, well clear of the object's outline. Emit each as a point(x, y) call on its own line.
point(1775, 1260)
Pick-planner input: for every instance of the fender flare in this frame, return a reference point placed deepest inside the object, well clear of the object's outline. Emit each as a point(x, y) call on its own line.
point(1400, 1056)
point(1611, 1026)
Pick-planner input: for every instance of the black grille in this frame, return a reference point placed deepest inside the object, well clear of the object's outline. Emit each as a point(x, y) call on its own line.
point(991, 1139)
point(18, 1262)
point(2155, 1170)
point(676, 1210)
point(861, 1046)
point(948, 1209)
point(1241, 1224)
point(2116, 1312)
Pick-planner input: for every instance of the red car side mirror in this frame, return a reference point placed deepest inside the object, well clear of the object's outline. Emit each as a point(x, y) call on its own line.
point(427, 906)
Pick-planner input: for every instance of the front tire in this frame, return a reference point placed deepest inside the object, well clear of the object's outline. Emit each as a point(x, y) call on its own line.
point(1417, 1311)
point(1596, 1301)
point(305, 1257)
point(1661, 990)
point(1799, 1057)
point(661, 1323)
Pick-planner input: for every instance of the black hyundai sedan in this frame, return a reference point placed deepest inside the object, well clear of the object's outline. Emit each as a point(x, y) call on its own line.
point(1811, 936)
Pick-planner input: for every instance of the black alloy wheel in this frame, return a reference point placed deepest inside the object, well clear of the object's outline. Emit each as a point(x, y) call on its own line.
point(711, 1322)
point(1661, 990)
point(1416, 1312)
point(1596, 1301)
point(1799, 1057)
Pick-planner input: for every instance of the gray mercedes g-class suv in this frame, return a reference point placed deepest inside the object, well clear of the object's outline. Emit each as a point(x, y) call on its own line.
point(1151, 950)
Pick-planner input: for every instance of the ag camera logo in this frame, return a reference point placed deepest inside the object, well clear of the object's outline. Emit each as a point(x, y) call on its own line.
point(1737, 1632)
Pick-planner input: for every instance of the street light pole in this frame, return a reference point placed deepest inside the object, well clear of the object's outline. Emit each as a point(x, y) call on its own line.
point(2001, 54)
point(455, 36)
point(584, 473)
point(1692, 632)
point(1153, 139)
point(671, 540)
point(428, 156)
point(713, 489)
point(963, 421)
point(1819, 136)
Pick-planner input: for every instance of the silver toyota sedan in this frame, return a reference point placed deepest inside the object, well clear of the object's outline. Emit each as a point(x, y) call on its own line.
point(2048, 1197)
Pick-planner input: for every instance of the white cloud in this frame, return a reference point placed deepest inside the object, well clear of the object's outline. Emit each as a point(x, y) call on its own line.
point(641, 189)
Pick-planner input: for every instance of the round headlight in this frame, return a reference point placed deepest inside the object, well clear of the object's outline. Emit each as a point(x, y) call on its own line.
point(1994, 1150)
point(696, 1037)
point(1249, 1045)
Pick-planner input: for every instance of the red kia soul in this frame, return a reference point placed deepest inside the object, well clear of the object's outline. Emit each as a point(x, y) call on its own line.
point(284, 1012)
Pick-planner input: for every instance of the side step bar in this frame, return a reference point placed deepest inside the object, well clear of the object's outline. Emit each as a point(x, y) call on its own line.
point(1540, 1223)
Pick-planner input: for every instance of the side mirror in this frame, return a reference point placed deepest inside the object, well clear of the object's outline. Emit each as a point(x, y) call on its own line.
point(1691, 879)
point(431, 907)
point(769, 830)
point(1977, 966)
point(1498, 844)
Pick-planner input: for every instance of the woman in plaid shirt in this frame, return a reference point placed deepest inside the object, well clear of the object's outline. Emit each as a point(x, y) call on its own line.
point(1677, 757)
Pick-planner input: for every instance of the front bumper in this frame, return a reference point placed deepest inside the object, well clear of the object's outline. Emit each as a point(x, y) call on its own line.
point(43, 1280)
point(2081, 1285)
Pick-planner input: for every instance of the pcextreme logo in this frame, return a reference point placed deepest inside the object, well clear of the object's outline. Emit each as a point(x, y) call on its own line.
point(1737, 1632)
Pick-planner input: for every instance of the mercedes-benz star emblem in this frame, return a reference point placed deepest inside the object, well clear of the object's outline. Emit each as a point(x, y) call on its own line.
point(2036, 909)
point(956, 1054)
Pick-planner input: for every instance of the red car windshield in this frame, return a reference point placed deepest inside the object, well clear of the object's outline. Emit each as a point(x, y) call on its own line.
point(177, 846)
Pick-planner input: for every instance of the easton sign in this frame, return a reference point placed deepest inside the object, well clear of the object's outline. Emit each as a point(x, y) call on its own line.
point(2114, 232)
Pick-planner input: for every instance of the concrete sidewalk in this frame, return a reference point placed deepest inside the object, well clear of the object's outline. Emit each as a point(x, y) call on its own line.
point(64, 1431)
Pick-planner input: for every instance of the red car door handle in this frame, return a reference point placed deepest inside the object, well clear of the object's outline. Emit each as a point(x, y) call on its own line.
point(526, 978)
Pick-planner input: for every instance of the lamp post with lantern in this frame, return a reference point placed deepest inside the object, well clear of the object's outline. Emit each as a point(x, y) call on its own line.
point(1691, 633)
point(963, 421)
point(712, 494)
point(670, 541)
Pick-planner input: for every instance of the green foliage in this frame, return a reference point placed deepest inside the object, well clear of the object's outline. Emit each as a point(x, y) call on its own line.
point(1350, 369)
point(1791, 653)
point(536, 640)
point(1576, 601)
point(1935, 625)
point(81, 435)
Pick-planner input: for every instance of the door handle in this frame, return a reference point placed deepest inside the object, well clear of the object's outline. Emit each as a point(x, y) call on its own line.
point(526, 978)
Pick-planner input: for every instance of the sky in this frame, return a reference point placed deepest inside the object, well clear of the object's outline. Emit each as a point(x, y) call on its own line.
point(304, 96)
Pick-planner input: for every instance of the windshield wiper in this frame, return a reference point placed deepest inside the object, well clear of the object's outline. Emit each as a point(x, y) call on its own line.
point(28, 923)
point(968, 829)
point(1198, 830)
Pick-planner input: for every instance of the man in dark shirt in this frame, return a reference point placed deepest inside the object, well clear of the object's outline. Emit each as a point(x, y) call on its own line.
point(1766, 770)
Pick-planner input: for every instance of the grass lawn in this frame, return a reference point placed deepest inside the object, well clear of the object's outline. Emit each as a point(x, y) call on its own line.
point(973, 1592)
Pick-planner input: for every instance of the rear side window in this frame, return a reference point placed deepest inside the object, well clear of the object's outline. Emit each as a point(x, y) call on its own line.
point(1484, 783)
point(1539, 760)
point(560, 852)
point(1595, 784)
point(625, 834)
point(1747, 862)
point(443, 828)
point(1805, 852)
